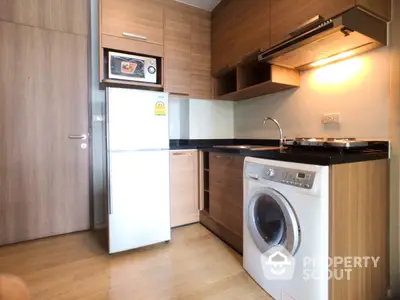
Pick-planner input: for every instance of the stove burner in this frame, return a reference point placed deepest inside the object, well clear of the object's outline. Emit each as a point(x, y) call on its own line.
point(336, 142)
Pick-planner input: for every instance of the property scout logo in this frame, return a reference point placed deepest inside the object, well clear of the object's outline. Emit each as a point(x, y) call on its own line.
point(279, 264)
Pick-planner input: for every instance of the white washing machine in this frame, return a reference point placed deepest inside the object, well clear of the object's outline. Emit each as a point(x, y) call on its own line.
point(287, 205)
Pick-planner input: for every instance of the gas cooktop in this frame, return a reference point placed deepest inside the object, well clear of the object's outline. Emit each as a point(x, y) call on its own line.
point(327, 142)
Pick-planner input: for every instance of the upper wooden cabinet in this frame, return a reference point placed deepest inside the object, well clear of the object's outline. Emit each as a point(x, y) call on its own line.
point(288, 15)
point(382, 8)
point(177, 51)
point(239, 29)
point(187, 52)
point(200, 56)
point(133, 19)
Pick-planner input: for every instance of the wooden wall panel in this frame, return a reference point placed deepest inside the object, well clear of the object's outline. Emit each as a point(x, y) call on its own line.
point(359, 222)
point(70, 16)
point(394, 134)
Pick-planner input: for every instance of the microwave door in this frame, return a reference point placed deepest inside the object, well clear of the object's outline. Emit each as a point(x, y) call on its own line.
point(122, 66)
point(132, 67)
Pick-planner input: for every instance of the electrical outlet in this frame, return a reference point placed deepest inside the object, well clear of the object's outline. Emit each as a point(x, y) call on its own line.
point(332, 118)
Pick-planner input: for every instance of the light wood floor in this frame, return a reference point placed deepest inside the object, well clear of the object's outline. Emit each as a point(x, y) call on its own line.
point(194, 265)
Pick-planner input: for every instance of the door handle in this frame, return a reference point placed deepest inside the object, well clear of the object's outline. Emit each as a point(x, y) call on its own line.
point(78, 137)
point(253, 176)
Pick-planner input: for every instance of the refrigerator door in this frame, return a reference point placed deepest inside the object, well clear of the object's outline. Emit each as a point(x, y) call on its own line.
point(139, 205)
point(137, 120)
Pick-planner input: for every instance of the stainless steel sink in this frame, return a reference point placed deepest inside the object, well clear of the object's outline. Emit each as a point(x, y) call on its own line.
point(270, 148)
point(249, 147)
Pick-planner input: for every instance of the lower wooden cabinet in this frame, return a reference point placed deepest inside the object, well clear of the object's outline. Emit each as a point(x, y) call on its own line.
point(226, 197)
point(184, 185)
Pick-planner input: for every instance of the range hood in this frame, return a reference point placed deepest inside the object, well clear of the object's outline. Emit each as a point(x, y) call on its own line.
point(320, 41)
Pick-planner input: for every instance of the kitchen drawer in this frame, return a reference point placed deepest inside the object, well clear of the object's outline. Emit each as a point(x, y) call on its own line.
point(223, 160)
point(133, 19)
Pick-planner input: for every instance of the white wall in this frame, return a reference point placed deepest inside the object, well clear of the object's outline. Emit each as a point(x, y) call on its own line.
point(211, 119)
point(358, 88)
point(201, 119)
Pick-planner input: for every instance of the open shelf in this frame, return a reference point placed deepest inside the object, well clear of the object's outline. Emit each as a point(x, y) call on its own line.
point(152, 86)
point(255, 79)
point(252, 74)
point(206, 181)
point(226, 83)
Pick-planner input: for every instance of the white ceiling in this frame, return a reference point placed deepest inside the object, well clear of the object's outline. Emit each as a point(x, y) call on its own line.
point(204, 4)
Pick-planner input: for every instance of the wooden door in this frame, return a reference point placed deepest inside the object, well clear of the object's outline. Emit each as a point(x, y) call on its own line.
point(184, 180)
point(44, 179)
point(177, 52)
point(288, 15)
point(130, 18)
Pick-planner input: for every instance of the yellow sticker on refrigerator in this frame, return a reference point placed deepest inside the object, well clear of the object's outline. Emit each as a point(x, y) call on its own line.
point(160, 109)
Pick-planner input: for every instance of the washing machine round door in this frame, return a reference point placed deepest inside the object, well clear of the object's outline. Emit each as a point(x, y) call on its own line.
point(272, 221)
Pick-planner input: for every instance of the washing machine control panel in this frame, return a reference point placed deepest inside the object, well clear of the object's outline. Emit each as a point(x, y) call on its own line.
point(298, 178)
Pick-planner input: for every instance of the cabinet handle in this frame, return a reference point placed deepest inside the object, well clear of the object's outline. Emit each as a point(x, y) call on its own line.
point(182, 153)
point(307, 25)
point(179, 94)
point(223, 156)
point(134, 36)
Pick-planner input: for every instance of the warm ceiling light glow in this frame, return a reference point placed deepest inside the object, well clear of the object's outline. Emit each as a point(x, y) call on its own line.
point(333, 58)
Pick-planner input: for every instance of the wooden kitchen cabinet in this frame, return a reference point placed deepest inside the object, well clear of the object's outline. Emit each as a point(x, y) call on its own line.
point(226, 196)
point(239, 29)
point(177, 49)
point(184, 181)
point(200, 56)
point(133, 19)
point(288, 15)
point(187, 49)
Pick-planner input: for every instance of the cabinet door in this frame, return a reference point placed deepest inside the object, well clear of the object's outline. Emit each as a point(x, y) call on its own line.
point(239, 29)
point(200, 84)
point(382, 8)
point(177, 52)
point(184, 187)
point(226, 191)
point(224, 26)
point(288, 15)
point(136, 19)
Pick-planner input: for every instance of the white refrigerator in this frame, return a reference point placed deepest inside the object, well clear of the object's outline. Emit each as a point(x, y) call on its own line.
point(137, 168)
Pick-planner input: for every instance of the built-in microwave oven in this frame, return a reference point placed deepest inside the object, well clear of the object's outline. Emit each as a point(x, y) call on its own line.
point(132, 67)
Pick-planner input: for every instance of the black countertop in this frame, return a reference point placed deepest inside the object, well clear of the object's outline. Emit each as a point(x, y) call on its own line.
point(314, 156)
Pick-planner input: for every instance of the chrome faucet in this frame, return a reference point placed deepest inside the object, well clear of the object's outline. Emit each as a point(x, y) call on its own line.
point(279, 127)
